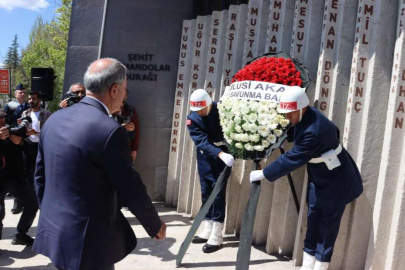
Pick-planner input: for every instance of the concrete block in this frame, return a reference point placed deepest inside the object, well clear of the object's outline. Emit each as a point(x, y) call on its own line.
point(160, 183)
point(78, 59)
point(243, 193)
point(147, 173)
point(179, 111)
point(215, 54)
point(366, 114)
point(383, 250)
point(306, 38)
point(147, 142)
point(235, 38)
point(161, 150)
point(232, 197)
point(279, 28)
point(85, 27)
point(255, 41)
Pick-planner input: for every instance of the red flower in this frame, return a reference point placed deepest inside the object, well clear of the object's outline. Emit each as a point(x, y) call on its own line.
point(270, 69)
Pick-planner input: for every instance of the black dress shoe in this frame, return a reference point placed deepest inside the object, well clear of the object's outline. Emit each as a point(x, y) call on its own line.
point(17, 207)
point(22, 239)
point(210, 248)
point(199, 240)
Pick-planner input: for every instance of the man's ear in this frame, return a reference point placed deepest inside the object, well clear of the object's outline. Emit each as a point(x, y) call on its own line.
point(114, 90)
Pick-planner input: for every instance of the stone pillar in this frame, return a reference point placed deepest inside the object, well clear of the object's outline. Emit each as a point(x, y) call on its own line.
point(388, 209)
point(279, 28)
point(235, 37)
point(333, 77)
point(179, 112)
point(216, 51)
point(257, 17)
point(188, 163)
point(305, 45)
point(366, 114)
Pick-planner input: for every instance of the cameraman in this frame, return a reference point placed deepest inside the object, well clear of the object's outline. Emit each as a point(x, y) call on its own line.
point(11, 180)
point(76, 92)
point(38, 117)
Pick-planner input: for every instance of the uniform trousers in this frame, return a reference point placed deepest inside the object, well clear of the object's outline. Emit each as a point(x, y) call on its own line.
point(217, 210)
point(322, 230)
point(24, 193)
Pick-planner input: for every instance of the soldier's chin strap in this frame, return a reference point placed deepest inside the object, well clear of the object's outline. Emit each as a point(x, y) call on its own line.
point(209, 109)
point(300, 115)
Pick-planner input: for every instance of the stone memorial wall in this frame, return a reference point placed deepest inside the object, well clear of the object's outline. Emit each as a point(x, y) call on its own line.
point(354, 51)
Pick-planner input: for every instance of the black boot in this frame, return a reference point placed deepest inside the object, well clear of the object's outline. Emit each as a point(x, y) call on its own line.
point(17, 207)
point(207, 248)
point(199, 240)
point(22, 239)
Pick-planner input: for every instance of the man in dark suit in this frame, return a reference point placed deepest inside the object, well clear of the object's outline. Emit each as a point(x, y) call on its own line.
point(83, 166)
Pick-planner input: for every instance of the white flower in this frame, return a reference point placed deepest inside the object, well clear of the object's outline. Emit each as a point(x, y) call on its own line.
point(245, 118)
point(239, 145)
point(237, 120)
point(258, 148)
point(284, 122)
point(278, 132)
point(273, 105)
point(253, 128)
point(245, 127)
point(264, 131)
point(271, 138)
point(254, 105)
point(248, 147)
point(237, 137)
point(273, 125)
point(272, 113)
point(245, 110)
point(244, 137)
point(265, 143)
point(252, 117)
point(238, 129)
point(254, 138)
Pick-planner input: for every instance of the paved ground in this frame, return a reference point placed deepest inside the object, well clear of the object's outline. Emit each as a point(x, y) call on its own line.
point(149, 254)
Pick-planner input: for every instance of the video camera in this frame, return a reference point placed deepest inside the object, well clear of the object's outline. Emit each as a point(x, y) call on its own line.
point(72, 98)
point(21, 129)
point(122, 119)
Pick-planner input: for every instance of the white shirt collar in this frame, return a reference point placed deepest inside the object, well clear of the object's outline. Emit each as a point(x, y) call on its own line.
point(105, 107)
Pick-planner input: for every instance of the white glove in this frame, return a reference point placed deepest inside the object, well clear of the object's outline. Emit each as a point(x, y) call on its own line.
point(227, 159)
point(256, 176)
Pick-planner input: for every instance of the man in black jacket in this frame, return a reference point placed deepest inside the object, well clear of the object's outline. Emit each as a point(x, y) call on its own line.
point(11, 180)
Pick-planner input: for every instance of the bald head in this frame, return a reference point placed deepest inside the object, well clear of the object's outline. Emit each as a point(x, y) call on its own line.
point(104, 73)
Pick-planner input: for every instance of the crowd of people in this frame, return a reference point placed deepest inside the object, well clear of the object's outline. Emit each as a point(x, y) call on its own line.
point(77, 167)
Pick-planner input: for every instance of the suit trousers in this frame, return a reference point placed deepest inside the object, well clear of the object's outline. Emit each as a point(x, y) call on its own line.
point(322, 230)
point(30, 159)
point(110, 267)
point(24, 193)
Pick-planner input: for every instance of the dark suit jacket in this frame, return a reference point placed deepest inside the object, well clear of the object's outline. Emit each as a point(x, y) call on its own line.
point(313, 136)
point(83, 165)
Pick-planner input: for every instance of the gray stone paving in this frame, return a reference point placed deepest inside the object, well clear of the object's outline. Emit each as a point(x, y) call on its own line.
point(149, 254)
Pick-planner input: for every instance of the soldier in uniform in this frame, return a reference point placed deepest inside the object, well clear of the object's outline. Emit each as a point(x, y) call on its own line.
point(333, 177)
point(206, 132)
point(20, 95)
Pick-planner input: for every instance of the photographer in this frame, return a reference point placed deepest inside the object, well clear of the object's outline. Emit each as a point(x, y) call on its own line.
point(76, 92)
point(11, 180)
point(14, 111)
point(38, 117)
point(128, 118)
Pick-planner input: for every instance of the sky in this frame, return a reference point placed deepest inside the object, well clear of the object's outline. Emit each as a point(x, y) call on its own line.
point(18, 16)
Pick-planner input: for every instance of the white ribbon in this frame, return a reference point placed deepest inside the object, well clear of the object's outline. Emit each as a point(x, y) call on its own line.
point(254, 90)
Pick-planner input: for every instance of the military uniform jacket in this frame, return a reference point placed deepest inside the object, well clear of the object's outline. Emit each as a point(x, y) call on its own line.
point(205, 131)
point(313, 136)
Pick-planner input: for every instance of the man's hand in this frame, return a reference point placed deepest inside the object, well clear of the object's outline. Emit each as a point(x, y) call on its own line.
point(162, 232)
point(4, 133)
point(133, 155)
point(63, 104)
point(129, 127)
point(256, 176)
point(227, 159)
point(16, 139)
point(31, 132)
